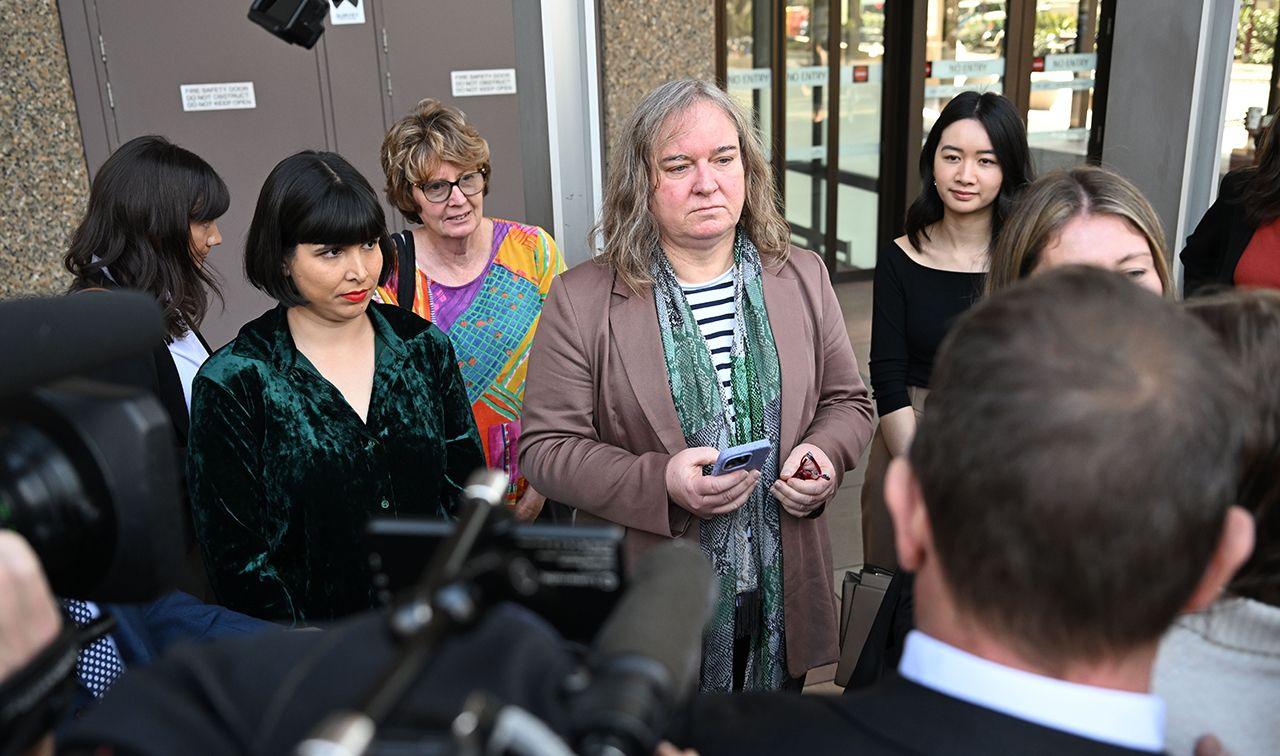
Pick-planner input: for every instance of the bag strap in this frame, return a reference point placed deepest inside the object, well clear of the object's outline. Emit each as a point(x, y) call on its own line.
point(406, 285)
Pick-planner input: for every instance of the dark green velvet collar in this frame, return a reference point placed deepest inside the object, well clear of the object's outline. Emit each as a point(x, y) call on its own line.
point(267, 337)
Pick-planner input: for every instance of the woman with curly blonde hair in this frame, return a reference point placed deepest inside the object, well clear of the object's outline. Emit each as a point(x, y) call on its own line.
point(480, 280)
point(697, 329)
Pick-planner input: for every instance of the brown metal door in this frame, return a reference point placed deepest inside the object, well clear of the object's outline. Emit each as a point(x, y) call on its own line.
point(152, 48)
point(129, 60)
point(426, 42)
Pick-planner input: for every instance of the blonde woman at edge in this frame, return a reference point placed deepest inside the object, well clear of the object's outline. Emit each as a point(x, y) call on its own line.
point(1082, 216)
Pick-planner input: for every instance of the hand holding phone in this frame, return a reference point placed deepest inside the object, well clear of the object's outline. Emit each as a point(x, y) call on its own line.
point(706, 496)
point(748, 456)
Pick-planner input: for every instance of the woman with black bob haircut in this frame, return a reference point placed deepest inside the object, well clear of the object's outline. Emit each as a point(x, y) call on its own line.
point(150, 225)
point(974, 164)
point(325, 411)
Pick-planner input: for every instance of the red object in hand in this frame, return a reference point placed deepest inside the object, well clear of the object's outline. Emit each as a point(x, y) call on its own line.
point(809, 469)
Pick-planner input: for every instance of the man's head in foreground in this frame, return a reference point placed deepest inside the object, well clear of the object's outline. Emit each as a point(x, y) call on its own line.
point(1070, 489)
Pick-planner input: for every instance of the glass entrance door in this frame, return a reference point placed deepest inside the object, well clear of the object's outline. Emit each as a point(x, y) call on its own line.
point(862, 75)
point(844, 91)
point(1064, 58)
point(813, 72)
point(805, 98)
point(964, 50)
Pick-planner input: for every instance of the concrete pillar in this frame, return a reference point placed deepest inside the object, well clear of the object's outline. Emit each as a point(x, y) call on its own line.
point(1167, 90)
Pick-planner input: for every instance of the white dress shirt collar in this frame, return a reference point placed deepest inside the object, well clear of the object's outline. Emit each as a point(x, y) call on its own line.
point(188, 355)
point(1130, 720)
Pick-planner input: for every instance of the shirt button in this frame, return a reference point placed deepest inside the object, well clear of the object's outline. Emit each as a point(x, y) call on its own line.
point(385, 504)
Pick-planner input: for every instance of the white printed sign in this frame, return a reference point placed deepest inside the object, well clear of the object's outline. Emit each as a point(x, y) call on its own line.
point(1049, 86)
point(231, 95)
point(750, 78)
point(949, 69)
point(346, 13)
point(944, 91)
point(814, 76)
point(491, 81)
point(761, 78)
point(1072, 62)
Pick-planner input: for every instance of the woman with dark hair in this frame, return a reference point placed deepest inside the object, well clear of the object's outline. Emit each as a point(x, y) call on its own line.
point(150, 225)
point(1237, 242)
point(325, 411)
point(972, 166)
point(151, 222)
point(1218, 670)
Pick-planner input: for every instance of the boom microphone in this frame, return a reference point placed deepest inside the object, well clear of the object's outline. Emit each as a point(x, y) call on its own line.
point(646, 656)
point(55, 337)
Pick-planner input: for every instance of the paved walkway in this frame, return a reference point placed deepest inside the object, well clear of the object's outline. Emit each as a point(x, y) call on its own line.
point(844, 520)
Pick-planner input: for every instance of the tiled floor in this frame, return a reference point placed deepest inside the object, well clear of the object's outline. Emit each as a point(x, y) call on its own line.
point(844, 520)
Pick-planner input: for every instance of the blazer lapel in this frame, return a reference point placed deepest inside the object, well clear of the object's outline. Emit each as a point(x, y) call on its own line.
point(795, 351)
point(633, 320)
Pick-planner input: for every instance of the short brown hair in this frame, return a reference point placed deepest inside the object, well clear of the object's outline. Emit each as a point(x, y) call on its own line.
point(1077, 457)
point(417, 144)
point(1247, 322)
point(1052, 201)
point(627, 228)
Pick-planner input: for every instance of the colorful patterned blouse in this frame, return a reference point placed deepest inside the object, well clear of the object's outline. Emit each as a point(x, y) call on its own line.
point(491, 322)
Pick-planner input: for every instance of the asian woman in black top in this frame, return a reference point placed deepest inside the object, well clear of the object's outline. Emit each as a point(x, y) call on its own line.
point(972, 166)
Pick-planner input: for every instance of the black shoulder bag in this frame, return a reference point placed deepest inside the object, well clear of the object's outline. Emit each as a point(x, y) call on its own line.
point(406, 285)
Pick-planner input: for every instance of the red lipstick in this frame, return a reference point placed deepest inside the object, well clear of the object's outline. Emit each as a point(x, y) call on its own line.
point(356, 296)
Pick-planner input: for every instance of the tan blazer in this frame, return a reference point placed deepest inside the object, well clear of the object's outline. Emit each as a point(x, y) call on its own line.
point(600, 425)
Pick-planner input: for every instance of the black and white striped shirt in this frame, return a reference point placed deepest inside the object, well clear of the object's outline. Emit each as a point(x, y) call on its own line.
point(712, 306)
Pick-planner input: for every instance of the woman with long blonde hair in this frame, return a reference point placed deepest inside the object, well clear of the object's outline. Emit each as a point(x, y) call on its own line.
point(699, 328)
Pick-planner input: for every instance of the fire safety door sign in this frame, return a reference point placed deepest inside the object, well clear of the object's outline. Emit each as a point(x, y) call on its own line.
point(490, 81)
point(231, 95)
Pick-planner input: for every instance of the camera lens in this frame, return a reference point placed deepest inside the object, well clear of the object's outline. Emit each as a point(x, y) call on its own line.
point(89, 477)
point(737, 461)
point(43, 497)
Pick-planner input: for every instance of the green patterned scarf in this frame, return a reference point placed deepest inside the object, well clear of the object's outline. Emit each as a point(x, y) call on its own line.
point(703, 406)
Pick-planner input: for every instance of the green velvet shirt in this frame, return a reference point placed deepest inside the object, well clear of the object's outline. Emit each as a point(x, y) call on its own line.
point(284, 475)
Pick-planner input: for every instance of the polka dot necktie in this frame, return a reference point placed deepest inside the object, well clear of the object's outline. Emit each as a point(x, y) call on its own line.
point(98, 664)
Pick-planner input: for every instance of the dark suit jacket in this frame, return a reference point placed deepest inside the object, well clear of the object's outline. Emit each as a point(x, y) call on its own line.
point(894, 717)
point(262, 695)
point(1214, 249)
point(143, 632)
point(600, 424)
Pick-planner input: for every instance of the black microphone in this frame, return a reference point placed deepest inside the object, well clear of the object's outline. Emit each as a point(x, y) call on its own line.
point(646, 657)
point(54, 337)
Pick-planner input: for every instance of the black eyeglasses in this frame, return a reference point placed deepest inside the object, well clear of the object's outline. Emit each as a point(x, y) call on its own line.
point(471, 184)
